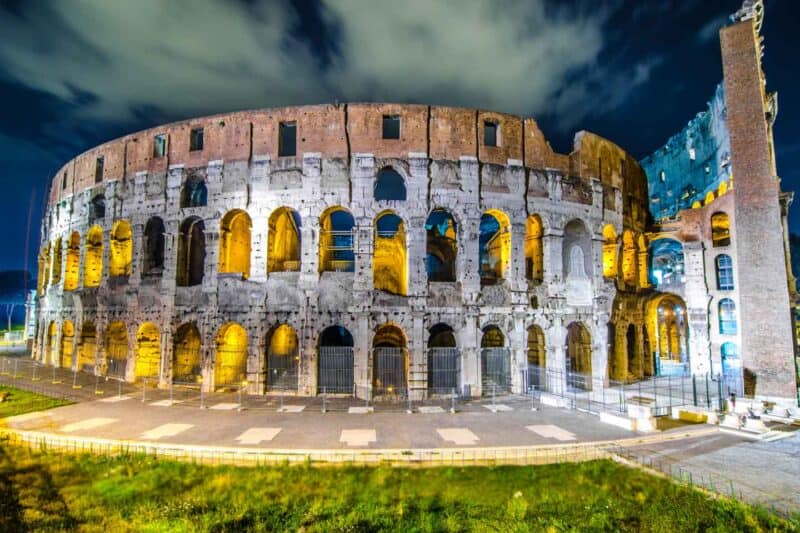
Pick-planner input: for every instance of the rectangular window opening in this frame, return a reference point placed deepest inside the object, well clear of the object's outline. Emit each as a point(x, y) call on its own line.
point(490, 131)
point(391, 126)
point(64, 181)
point(196, 140)
point(160, 145)
point(98, 169)
point(287, 139)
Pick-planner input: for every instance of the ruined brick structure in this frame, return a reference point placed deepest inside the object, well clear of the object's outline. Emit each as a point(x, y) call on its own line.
point(375, 249)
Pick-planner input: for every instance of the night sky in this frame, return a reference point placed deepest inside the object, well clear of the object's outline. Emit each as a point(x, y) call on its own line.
point(76, 73)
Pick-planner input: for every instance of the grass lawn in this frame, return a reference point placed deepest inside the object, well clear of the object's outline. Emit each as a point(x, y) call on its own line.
point(47, 491)
point(19, 402)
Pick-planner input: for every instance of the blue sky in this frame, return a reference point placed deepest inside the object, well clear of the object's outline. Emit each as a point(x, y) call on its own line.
point(76, 73)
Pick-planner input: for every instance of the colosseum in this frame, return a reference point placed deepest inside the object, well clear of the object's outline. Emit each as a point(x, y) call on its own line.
point(383, 249)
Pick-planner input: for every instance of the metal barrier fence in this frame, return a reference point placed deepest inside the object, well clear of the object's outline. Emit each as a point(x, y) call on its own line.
point(495, 369)
point(282, 370)
point(444, 370)
point(335, 369)
point(389, 368)
point(660, 393)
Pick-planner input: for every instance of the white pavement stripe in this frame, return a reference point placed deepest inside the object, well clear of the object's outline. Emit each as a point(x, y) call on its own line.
point(358, 437)
point(430, 409)
point(166, 430)
point(460, 436)
point(225, 406)
point(115, 399)
point(291, 409)
point(359, 410)
point(498, 408)
point(551, 432)
point(165, 403)
point(27, 416)
point(257, 435)
point(89, 423)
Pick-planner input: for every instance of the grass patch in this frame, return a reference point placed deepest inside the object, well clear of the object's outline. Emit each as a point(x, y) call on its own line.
point(46, 491)
point(19, 402)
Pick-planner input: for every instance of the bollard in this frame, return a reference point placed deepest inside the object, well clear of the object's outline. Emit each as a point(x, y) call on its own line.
point(55, 382)
point(719, 392)
point(202, 398)
point(75, 380)
point(494, 391)
point(324, 410)
point(144, 389)
point(453, 400)
point(708, 395)
point(408, 394)
point(694, 390)
point(119, 388)
point(33, 373)
point(533, 398)
point(97, 384)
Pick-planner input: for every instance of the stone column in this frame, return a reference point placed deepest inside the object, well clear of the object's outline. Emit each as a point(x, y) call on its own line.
point(468, 256)
point(469, 340)
point(136, 257)
point(165, 342)
point(417, 362)
point(517, 344)
point(697, 301)
point(361, 355)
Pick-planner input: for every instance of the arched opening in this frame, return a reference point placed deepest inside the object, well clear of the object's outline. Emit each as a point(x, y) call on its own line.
point(153, 260)
point(666, 264)
point(389, 185)
point(634, 363)
point(283, 253)
point(97, 209)
point(191, 252)
point(87, 347)
point(720, 229)
point(389, 361)
point(732, 368)
point(186, 355)
point(194, 192)
point(51, 350)
point(119, 264)
point(93, 263)
point(44, 269)
point(727, 317)
point(724, 267)
point(230, 359)
point(336, 241)
point(441, 246)
point(389, 259)
point(335, 361)
point(709, 198)
point(67, 344)
point(534, 254)
point(537, 358)
point(667, 324)
point(283, 358)
point(58, 256)
point(579, 357)
point(116, 350)
point(444, 361)
point(629, 274)
point(148, 351)
point(234, 243)
point(73, 267)
point(610, 252)
point(494, 245)
point(576, 260)
point(495, 361)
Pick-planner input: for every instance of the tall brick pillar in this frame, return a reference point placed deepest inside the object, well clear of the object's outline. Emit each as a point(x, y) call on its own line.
point(765, 324)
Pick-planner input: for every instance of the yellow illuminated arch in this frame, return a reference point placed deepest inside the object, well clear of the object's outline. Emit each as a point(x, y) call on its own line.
point(610, 251)
point(87, 346)
point(230, 361)
point(536, 347)
point(121, 249)
point(148, 351)
point(116, 349)
point(44, 269)
point(390, 259)
point(58, 252)
point(696, 204)
point(67, 344)
point(283, 250)
point(93, 263)
point(72, 272)
point(336, 240)
point(498, 248)
point(723, 188)
point(186, 354)
point(720, 229)
point(234, 243)
point(709, 197)
point(51, 355)
point(534, 257)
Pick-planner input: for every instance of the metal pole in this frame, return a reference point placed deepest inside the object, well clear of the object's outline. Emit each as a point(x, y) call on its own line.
point(719, 390)
point(324, 409)
point(16, 361)
point(453, 400)
point(202, 398)
point(708, 394)
point(75, 380)
point(408, 393)
point(97, 384)
point(669, 384)
point(119, 388)
point(33, 376)
point(240, 398)
point(144, 389)
point(694, 390)
point(170, 393)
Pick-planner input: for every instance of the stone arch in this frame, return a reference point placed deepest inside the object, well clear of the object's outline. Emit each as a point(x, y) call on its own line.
point(629, 263)
point(666, 260)
point(116, 348)
point(148, 351)
point(283, 251)
point(97, 208)
point(576, 258)
point(667, 325)
point(234, 243)
point(633, 354)
point(153, 256)
point(728, 324)
point(194, 192)
point(389, 360)
point(389, 185)
point(72, 271)
point(51, 349)
point(495, 361)
point(709, 198)
point(724, 272)
point(67, 344)
point(87, 346)
point(191, 252)
point(336, 229)
point(444, 360)
point(93, 262)
point(720, 229)
point(119, 263)
point(186, 364)
point(390, 257)
point(335, 360)
point(494, 247)
point(58, 253)
point(283, 358)
point(579, 356)
point(534, 251)
point(44, 269)
point(230, 357)
point(441, 246)
point(610, 252)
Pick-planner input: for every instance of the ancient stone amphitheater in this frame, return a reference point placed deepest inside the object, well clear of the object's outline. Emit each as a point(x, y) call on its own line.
point(368, 249)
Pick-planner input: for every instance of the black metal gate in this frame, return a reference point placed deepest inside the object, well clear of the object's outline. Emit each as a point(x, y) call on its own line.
point(388, 370)
point(282, 370)
point(444, 370)
point(534, 378)
point(495, 370)
point(335, 369)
